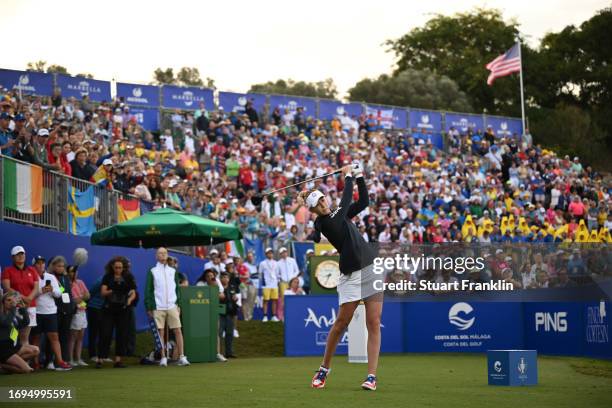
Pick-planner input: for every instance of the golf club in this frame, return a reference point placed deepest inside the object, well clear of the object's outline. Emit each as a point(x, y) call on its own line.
point(258, 198)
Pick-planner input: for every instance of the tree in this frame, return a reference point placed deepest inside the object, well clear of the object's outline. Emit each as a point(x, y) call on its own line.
point(85, 75)
point(321, 89)
point(414, 88)
point(41, 66)
point(189, 77)
point(164, 77)
point(459, 47)
point(186, 76)
point(38, 66)
point(571, 130)
point(578, 61)
point(57, 69)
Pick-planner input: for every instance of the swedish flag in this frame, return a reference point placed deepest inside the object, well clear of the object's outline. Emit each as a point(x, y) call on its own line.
point(81, 210)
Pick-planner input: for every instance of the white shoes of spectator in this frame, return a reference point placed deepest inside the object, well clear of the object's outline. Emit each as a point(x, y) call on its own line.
point(82, 363)
point(221, 358)
point(163, 362)
point(265, 319)
point(274, 319)
point(51, 366)
point(107, 360)
point(236, 334)
point(183, 361)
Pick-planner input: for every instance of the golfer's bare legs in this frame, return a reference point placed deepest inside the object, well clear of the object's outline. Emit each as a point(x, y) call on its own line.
point(373, 306)
point(345, 314)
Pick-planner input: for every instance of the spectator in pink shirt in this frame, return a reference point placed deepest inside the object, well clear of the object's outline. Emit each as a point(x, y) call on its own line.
point(576, 208)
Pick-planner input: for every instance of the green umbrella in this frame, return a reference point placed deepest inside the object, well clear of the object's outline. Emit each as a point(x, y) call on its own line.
point(166, 227)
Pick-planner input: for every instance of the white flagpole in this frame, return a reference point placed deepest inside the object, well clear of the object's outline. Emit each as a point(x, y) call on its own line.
point(518, 41)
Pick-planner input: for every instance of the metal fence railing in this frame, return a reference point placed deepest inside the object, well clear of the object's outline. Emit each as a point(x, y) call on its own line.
point(54, 213)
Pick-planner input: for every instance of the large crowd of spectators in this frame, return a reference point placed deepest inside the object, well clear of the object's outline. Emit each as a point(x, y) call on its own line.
point(481, 188)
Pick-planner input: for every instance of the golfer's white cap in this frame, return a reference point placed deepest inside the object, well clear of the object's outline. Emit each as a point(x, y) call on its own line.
point(313, 198)
point(17, 250)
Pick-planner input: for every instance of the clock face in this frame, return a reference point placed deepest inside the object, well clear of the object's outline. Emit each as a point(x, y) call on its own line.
point(328, 274)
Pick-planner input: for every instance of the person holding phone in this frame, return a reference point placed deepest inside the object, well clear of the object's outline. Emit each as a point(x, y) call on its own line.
point(46, 317)
point(119, 291)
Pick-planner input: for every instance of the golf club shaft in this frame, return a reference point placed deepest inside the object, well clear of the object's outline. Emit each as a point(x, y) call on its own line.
point(302, 182)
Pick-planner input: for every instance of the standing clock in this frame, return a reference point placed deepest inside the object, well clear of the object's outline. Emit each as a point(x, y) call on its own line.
point(327, 274)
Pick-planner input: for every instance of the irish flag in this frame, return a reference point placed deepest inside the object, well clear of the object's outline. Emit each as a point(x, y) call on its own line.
point(23, 187)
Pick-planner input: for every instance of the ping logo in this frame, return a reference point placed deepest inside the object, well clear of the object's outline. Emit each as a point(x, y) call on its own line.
point(462, 323)
point(556, 321)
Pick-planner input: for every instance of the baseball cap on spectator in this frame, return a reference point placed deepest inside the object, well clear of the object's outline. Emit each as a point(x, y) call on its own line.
point(283, 249)
point(19, 117)
point(17, 250)
point(268, 249)
point(5, 115)
point(499, 251)
point(214, 252)
point(43, 132)
point(38, 258)
point(309, 251)
point(107, 162)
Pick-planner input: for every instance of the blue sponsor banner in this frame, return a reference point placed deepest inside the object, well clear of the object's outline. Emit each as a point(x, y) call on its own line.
point(329, 109)
point(187, 97)
point(299, 253)
point(426, 121)
point(133, 94)
point(597, 329)
point(257, 247)
point(462, 326)
point(554, 327)
point(236, 102)
point(436, 139)
point(148, 118)
point(390, 117)
point(464, 121)
point(503, 127)
point(36, 83)
point(78, 87)
point(292, 103)
point(308, 320)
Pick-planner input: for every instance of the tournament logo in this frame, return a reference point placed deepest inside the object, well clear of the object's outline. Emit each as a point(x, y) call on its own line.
point(242, 101)
point(137, 92)
point(497, 366)
point(340, 110)
point(23, 84)
point(462, 323)
point(522, 367)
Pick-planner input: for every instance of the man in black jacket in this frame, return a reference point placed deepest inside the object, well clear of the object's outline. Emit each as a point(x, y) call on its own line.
point(226, 319)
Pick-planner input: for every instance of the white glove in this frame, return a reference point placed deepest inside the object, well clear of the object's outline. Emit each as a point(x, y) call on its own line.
point(357, 169)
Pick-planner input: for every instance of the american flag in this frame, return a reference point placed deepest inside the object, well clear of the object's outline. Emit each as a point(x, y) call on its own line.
point(505, 64)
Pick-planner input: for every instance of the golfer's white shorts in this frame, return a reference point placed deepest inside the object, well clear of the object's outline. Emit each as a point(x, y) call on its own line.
point(79, 321)
point(358, 285)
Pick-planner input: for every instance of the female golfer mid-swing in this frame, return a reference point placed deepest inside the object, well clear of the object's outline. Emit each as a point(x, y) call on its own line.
point(357, 276)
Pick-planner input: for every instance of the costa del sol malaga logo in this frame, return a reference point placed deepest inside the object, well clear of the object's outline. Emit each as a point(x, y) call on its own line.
point(462, 323)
